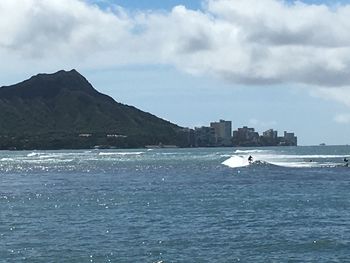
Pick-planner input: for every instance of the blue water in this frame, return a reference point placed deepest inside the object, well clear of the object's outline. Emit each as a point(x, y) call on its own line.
point(175, 205)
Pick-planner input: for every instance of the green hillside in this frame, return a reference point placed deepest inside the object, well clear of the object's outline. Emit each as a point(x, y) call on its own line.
point(63, 110)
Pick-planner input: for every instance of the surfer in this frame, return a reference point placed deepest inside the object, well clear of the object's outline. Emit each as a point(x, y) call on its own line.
point(346, 161)
point(250, 159)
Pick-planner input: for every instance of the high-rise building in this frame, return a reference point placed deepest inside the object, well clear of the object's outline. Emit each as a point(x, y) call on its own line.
point(269, 138)
point(270, 134)
point(290, 139)
point(223, 131)
point(245, 137)
point(204, 137)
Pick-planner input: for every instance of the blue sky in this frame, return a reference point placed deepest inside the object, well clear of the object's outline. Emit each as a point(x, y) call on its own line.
point(144, 4)
point(192, 4)
point(264, 64)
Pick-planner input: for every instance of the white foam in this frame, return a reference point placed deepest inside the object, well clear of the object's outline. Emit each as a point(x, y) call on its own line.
point(32, 154)
point(251, 151)
point(290, 161)
point(225, 155)
point(236, 161)
point(292, 156)
point(240, 161)
point(119, 153)
point(296, 164)
point(6, 159)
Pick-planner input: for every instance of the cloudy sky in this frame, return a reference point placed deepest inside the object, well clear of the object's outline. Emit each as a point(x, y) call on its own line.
point(261, 63)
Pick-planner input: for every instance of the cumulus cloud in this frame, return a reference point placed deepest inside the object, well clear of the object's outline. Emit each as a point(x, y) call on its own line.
point(340, 94)
point(261, 123)
point(342, 118)
point(243, 41)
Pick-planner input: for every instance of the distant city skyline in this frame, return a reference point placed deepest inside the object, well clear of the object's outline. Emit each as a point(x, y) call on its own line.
point(266, 64)
point(220, 133)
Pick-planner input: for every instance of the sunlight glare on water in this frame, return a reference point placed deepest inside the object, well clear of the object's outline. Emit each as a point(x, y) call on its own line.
point(175, 205)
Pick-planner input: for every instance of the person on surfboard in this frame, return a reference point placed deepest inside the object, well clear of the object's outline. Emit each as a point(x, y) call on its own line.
point(346, 162)
point(250, 159)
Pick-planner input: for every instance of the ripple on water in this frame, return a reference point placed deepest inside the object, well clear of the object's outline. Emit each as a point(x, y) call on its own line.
point(171, 206)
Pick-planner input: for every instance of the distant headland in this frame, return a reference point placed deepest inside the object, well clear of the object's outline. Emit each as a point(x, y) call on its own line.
point(63, 111)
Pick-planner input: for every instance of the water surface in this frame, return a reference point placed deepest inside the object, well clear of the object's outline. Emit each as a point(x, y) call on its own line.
point(175, 205)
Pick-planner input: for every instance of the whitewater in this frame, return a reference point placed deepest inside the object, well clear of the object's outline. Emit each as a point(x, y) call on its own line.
point(291, 159)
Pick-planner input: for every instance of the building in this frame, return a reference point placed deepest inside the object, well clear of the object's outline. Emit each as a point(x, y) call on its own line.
point(270, 134)
point(204, 137)
point(289, 139)
point(219, 134)
point(245, 137)
point(222, 132)
point(269, 138)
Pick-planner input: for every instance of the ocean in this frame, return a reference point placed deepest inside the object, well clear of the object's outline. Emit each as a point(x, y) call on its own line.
point(176, 205)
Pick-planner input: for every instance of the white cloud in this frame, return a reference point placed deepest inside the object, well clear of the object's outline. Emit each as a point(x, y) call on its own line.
point(342, 118)
point(58, 32)
point(262, 124)
point(243, 41)
point(339, 94)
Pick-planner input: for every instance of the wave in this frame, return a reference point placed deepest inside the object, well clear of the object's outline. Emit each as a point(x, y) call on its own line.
point(262, 163)
point(296, 164)
point(6, 159)
point(239, 161)
point(225, 155)
point(289, 161)
point(236, 162)
point(32, 154)
point(120, 153)
point(308, 164)
point(309, 156)
point(52, 157)
point(251, 151)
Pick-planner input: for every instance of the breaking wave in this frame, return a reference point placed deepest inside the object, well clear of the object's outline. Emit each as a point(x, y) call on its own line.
point(280, 158)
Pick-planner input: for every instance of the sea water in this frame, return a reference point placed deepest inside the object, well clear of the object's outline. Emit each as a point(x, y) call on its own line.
point(175, 205)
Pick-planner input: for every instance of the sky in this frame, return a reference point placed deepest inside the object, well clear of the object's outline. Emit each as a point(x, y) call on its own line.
point(259, 63)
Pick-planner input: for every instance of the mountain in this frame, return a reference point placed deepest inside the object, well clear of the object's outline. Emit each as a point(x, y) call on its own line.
point(63, 110)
